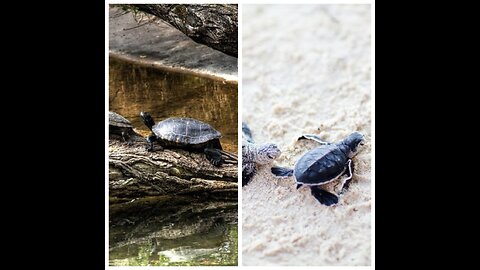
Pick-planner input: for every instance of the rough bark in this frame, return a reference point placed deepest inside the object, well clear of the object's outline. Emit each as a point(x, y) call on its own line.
point(135, 173)
point(213, 25)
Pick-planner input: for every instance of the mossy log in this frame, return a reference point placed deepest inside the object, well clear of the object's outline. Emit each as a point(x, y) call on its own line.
point(135, 173)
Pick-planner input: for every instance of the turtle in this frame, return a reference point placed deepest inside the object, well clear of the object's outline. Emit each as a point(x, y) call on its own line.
point(255, 154)
point(323, 165)
point(185, 133)
point(120, 126)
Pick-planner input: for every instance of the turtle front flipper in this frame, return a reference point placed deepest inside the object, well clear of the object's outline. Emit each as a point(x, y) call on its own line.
point(323, 196)
point(313, 137)
point(247, 133)
point(283, 172)
point(214, 156)
point(248, 170)
point(349, 173)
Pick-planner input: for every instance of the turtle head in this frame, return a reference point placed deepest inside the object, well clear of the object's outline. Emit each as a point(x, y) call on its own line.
point(354, 142)
point(267, 152)
point(147, 119)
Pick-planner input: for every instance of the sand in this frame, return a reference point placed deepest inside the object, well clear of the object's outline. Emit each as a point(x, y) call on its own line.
point(306, 69)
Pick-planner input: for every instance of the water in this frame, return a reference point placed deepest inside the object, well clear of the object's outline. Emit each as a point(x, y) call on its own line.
point(173, 230)
point(164, 93)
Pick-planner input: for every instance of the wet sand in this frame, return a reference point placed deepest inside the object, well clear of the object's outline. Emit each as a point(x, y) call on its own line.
point(306, 69)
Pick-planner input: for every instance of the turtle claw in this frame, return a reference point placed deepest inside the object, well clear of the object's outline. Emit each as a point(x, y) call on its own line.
point(217, 163)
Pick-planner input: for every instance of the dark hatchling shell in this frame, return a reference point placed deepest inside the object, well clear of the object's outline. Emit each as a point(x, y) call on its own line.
point(185, 130)
point(320, 165)
point(115, 119)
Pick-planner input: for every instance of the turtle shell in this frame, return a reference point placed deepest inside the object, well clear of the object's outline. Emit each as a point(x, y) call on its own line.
point(185, 131)
point(115, 119)
point(320, 165)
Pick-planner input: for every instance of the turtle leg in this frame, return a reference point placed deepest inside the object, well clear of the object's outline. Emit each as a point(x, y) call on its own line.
point(314, 138)
point(126, 137)
point(323, 196)
point(349, 173)
point(150, 140)
point(247, 132)
point(284, 172)
point(247, 174)
point(214, 156)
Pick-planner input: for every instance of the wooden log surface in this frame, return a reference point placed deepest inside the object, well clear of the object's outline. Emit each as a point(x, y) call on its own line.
point(214, 25)
point(135, 173)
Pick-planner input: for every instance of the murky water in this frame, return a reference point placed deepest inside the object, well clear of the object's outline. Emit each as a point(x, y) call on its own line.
point(163, 93)
point(174, 231)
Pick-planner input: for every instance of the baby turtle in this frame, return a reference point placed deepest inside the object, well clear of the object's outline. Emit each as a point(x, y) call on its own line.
point(253, 154)
point(323, 165)
point(120, 126)
point(185, 133)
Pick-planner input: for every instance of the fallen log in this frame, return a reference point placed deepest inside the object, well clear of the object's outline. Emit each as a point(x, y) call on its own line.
point(214, 25)
point(135, 173)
